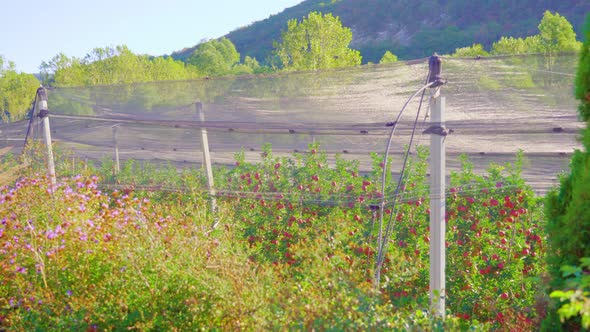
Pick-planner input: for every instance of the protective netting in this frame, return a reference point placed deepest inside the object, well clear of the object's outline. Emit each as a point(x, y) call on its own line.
point(494, 107)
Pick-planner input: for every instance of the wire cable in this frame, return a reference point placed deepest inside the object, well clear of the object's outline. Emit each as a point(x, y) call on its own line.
point(399, 184)
point(380, 238)
point(31, 119)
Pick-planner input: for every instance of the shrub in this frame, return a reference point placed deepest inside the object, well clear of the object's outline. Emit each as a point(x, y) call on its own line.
point(295, 250)
point(568, 207)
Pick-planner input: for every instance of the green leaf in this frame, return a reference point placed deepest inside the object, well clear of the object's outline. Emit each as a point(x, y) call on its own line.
point(568, 270)
point(562, 295)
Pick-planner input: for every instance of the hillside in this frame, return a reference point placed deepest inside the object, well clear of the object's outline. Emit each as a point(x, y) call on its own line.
point(412, 29)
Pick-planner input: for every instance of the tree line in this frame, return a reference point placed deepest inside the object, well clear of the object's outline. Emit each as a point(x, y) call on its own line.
point(16, 91)
point(555, 35)
point(319, 41)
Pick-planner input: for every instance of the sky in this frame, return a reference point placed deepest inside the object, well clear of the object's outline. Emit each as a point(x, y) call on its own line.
point(34, 31)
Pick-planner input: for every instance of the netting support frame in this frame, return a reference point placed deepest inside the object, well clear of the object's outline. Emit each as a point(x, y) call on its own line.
point(207, 160)
point(438, 134)
point(43, 112)
point(116, 148)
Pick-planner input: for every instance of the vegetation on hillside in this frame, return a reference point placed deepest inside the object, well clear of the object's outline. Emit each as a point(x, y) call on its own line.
point(388, 57)
point(218, 57)
point(113, 65)
point(296, 248)
point(17, 91)
point(317, 42)
point(412, 29)
point(556, 34)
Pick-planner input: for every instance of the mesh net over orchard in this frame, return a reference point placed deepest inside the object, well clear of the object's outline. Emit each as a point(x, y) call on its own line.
point(494, 108)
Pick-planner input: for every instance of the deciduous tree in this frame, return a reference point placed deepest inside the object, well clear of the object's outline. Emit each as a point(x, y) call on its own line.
point(17, 92)
point(470, 51)
point(215, 57)
point(113, 65)
point(557, 34)
point(388, 57)
point(317, 42)
point(510, 45)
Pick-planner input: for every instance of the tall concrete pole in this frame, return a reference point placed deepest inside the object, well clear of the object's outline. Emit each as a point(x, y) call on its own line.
point(207, 158)
point(437, 191)
point(44, 114)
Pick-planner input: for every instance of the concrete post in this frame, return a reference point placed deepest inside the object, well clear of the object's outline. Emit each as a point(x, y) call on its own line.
point(206, 157)
point(437, 192)
point(44, 114)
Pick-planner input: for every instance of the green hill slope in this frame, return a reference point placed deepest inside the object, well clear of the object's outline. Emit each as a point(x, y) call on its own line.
point(412, 29)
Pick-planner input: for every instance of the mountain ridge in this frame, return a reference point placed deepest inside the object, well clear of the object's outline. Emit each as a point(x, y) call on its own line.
point(410, 29)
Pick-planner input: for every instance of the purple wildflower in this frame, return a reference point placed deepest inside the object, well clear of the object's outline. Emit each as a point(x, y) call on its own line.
point(68, 191)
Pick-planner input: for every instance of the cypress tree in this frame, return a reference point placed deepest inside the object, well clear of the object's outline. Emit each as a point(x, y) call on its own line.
point(568, 207)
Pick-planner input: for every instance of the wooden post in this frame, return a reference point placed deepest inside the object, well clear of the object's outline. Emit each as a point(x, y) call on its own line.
point(44, 114)
point(207, 158)
point(437, 192)
point(116, 145)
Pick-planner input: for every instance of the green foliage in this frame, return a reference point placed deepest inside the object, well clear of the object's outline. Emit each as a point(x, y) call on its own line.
point(317, 42)
point(474, 50)
point(110, 66)
point(413, 30)
point(577, 297)
point(388, 57)
point(568, 207)
point(510, 45)
point(556, 34)
point(253, 64)
point(582, 91)
point(104, 66)
point(216, 57)
point(295, 251)
point(249, 66)
point(17, 92)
